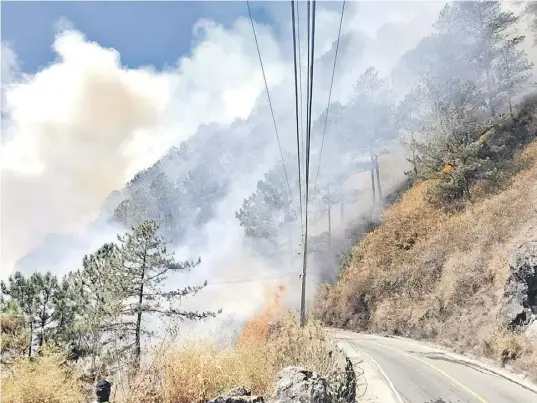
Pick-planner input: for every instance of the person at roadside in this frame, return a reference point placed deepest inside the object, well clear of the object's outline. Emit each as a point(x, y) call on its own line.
point(102, 390)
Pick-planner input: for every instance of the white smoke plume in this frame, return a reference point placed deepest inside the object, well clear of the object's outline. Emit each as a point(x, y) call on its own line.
point(81, 127)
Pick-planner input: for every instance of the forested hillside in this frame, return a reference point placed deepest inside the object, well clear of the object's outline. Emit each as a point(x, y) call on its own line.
point(415, 245)
point(444, 261)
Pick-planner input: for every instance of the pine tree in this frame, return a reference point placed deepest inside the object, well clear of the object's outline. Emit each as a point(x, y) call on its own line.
point(375, 111)
point(449, 148)
point(531, 9)
point(409, 119)
point(21, 290)
point(512, 69)
point(145, 264)
point(268, 211)
point(375, 118)
point(100, 292)
point(163, 193)
point(481, 29)
point(47, 290)
point(43, 301)
point(14, 340)
point(203, 189)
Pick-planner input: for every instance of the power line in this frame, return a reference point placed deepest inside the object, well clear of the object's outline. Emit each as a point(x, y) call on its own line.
point(311, 54)
point(329, 95)
point(241, 280)
point(296, 114)
point(270, 102)
point(300, 77)
point(236, 280)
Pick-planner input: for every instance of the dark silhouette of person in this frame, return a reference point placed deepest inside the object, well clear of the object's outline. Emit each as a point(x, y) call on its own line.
point(102, 390)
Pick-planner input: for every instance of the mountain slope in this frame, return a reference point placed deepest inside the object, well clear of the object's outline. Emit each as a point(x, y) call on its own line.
point(433, 274)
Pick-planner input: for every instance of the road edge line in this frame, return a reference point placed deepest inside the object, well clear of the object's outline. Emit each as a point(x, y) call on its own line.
point(442, 372)
point(381, 371)
point(385, 375)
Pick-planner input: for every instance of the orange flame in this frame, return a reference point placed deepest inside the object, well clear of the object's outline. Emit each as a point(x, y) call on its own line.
point(447, 169)
point(256, 330)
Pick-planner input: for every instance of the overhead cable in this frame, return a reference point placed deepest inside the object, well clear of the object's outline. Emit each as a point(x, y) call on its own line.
point(329, 95)
point(269, 101)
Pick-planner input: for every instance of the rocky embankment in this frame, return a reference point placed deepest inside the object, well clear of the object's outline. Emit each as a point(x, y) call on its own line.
point(519, 308)
point(298, 385)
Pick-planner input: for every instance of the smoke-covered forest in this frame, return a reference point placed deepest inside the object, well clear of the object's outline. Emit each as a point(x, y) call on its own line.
point(224, 195)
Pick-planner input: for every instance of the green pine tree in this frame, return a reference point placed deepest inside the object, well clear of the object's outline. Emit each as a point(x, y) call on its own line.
point(22, 291)
point(481, 29)
point(512, 70)
point(100, 292)
point(145, 264)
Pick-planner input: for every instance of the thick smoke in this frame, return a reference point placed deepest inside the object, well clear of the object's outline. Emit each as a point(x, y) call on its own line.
point(84, 125)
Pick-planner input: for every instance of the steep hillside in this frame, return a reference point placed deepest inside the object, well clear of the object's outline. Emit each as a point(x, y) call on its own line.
point(427, 272)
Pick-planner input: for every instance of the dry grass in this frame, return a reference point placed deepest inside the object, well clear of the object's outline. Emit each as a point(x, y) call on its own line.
point(192, 372)
point(13, 340)
point(198, 371)
point(48, 379)
point(434, 274)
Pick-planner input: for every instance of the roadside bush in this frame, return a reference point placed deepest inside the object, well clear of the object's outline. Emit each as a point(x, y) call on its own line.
point(199, 371)
point(47, 378)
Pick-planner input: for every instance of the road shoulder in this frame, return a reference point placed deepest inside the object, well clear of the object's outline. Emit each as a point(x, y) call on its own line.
point(373, 384)
point(485, 365)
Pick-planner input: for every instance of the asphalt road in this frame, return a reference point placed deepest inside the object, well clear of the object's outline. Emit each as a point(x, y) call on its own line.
point(405, 371)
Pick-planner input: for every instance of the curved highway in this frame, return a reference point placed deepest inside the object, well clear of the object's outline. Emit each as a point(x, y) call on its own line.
point(398, 370)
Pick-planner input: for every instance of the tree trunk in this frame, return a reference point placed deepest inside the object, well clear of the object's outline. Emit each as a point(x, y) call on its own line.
point(467, 189)
point(43, 320)
point(373, 180)
point(31, 339)
point(491, 106)
point(379, 188)
point(137, 342)
point(42, 338)
point(342, 204)
point(412, 141)
point(510, 106)
point(329, 228)
point(138, 348)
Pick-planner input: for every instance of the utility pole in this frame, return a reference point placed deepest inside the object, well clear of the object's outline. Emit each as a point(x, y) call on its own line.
point(303, 294)
point(311, 53)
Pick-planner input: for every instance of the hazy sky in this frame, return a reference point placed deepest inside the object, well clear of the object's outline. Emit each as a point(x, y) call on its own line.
point(93, 91)
point(81, 112)
point(154, 33)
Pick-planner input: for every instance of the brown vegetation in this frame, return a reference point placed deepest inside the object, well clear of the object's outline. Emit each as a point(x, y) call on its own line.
point(199, 370)
point(49, 378)
point(426, 272)
point(194, 371)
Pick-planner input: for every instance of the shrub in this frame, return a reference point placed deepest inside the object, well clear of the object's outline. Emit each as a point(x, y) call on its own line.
point(199, 371)
point(48, 378)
